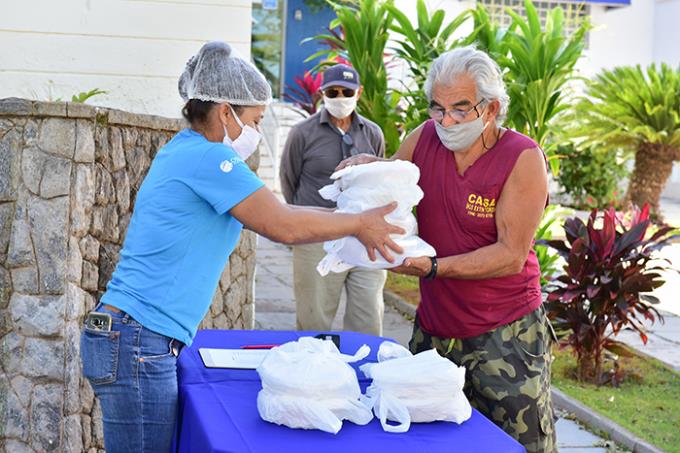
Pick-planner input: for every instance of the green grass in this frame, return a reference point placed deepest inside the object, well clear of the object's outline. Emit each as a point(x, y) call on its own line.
point(647, 403)
point(405, 286)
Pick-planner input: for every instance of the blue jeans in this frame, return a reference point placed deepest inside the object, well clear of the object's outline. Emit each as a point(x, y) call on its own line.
point(133, 373)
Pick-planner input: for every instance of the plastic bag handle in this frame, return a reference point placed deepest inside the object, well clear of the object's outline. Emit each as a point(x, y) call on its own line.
point(331, 262)
point(361, 354)
point(389, 405)
point(325, 419)
point(331, 192)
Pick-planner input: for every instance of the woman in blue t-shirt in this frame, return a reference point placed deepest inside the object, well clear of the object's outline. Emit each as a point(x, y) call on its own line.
point(188, 216)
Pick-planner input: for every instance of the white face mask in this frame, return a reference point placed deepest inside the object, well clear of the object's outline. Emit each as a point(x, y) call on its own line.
point(246, 143)
point(459, 137)
point(340, 107)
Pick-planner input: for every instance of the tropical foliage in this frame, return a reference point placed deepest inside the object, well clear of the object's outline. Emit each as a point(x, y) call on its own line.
point(610, 268)
point(537, 63)
point(365, 29)
point(548, 260)
point(84, 96)
point(306, 95)
point(639, 110)
point(592, 176)
point(317, 5)
point(488, 35)
point(418, 46)
point(540, 63)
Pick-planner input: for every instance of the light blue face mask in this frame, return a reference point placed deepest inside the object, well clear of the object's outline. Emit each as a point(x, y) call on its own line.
point(459, 137)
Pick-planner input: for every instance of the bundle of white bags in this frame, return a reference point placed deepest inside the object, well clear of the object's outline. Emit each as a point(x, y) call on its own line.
point(362, 187)
point(407, 388)
point(309, 384)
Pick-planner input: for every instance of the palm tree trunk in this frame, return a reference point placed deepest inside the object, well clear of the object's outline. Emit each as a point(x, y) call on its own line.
point(653, 167)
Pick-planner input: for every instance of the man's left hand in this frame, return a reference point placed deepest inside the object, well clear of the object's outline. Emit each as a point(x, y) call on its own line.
point(419, 267)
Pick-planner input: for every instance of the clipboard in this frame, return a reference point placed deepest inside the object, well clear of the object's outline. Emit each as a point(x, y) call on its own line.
point(242, 359)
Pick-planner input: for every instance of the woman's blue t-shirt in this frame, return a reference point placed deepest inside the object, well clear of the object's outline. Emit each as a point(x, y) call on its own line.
point(180, 235)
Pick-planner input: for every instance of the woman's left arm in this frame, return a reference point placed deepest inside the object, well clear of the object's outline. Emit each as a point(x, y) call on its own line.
point(518, 214)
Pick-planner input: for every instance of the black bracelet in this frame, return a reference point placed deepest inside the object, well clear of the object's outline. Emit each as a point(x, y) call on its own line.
point(433, 271)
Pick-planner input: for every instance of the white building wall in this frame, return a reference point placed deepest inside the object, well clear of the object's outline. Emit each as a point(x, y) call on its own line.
point(620, 36)
point(667, 49)
point(134, 49)
point(667, 32)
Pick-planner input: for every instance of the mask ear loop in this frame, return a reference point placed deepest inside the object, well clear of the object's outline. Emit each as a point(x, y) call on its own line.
point(238, 120)
point(224, 126)
point(241, 123)
point(498, 135)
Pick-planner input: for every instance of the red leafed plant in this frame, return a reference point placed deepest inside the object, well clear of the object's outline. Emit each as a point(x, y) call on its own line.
point(609, 269)
point(306, 95)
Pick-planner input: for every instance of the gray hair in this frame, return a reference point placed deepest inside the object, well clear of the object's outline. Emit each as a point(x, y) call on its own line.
point(468, 60)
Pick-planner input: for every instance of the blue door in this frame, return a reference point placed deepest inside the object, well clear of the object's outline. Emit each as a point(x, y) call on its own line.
point(302, 22)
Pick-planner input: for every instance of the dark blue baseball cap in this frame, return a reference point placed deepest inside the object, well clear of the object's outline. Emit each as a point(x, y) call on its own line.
point(340, 75)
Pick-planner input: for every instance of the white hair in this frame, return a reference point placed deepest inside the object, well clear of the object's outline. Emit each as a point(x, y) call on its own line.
point(468, 60)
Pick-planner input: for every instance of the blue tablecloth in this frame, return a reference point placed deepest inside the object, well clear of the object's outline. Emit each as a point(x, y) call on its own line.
point(218, 411)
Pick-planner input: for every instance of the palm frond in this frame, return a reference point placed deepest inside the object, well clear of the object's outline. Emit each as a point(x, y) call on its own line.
point(628, 106)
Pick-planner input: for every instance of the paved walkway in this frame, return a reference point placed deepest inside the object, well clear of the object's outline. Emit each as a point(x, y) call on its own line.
point(275, 310)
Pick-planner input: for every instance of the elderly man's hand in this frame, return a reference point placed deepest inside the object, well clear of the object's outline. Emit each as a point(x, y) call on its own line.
point(359, 159)
point(419, 267)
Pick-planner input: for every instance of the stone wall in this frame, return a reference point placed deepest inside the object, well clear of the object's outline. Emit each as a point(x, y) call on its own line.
point(69, 174)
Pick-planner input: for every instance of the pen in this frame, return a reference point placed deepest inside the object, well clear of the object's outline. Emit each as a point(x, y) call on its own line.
point(259, 346)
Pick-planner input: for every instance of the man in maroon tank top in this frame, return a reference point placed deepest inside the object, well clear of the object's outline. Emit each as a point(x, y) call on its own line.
point(485, 190)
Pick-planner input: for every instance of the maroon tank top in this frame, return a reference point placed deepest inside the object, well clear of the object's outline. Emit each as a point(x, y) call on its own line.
point(457, 215)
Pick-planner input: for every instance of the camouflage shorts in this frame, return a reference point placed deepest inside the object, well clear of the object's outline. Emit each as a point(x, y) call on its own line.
point(508, 376)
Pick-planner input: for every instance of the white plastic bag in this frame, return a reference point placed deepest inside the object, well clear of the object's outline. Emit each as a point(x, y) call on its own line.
point(407, 388)
point(368, 186)
point(308, 384)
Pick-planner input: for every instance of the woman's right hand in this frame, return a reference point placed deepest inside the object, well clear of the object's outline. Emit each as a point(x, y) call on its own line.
point(359, 159)
point(375, 232)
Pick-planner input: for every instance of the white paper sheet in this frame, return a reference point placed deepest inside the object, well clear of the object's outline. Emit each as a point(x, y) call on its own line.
point(247, 359)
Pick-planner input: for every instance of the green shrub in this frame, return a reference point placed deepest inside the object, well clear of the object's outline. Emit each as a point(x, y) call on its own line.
point(592, 178)
point(548, 260)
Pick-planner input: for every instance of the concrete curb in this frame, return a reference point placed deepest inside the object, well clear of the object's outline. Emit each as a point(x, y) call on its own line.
point(399, 304)
point(583, 413)
point(599, 422)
